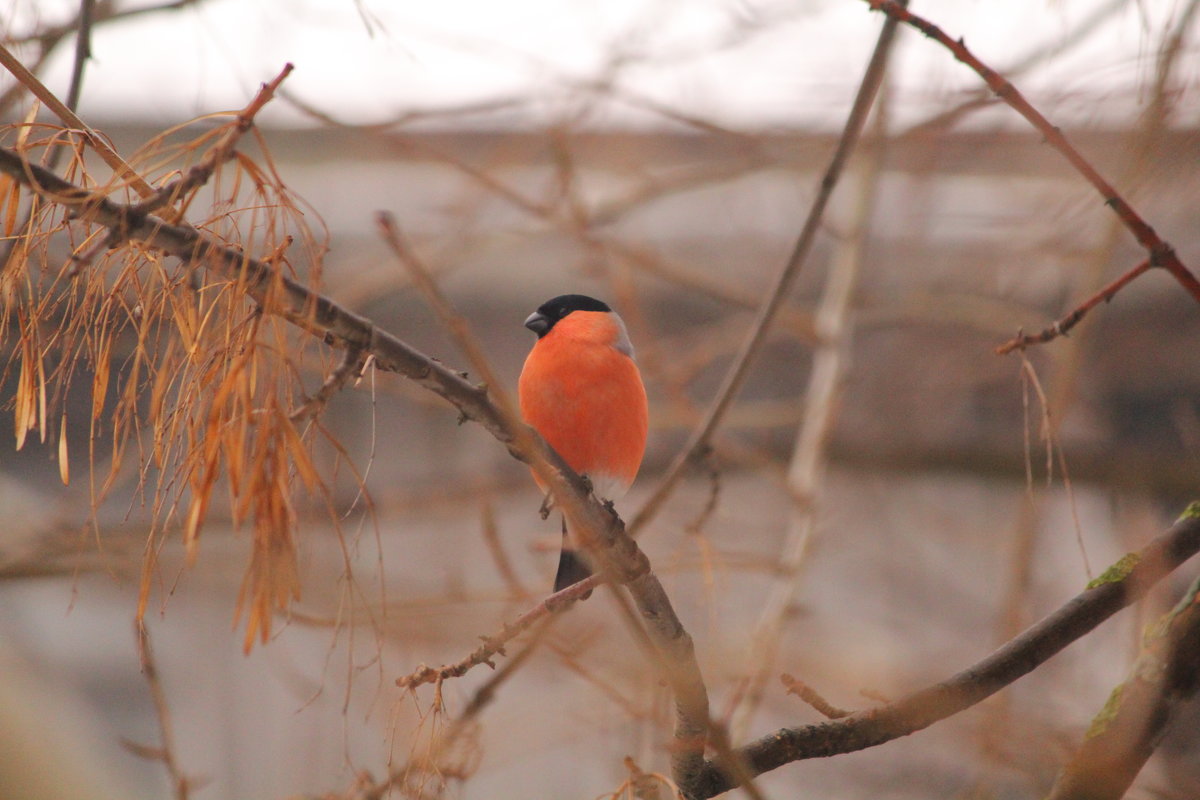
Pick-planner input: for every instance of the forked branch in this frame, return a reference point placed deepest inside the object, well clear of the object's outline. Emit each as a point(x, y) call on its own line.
point(277, 294)
point(1161, 254)
point(1062, 326)
point(1122, 585)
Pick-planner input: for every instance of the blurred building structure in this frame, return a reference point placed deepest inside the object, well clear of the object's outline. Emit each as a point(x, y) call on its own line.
point(927, 547)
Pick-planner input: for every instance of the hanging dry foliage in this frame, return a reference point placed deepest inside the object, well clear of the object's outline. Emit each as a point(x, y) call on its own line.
point(191, 383)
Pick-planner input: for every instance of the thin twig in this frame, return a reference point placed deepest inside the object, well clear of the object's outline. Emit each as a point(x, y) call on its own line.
point(580, 668)
point(72, 120)
point(106, 11)
point(1063, 325)
point(812, 697)
point(452, 321)
point(697, 443)
point(180, 783)
point(494, 645)
point(83, 52)
point(643, 785)
point(491, 537)
point(822, 402)
point(1161, 253)
point(224, 150)
point(1138, 152)
point(1058, 46)
point(47, 39)
point(733, 764)
point(351, 369)
point(487, 690)
point(480, 699)
point(1155, 120)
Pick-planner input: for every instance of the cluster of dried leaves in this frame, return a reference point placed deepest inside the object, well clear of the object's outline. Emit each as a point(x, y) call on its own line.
point(191, 385)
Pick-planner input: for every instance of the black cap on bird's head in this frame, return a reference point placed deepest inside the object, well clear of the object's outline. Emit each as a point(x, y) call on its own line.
point(551, 311)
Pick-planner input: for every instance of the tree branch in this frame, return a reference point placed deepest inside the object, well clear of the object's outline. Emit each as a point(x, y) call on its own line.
point(697, 444)
point(494, 645)
point(670, 643)
point(180, 782)
point(83, 53)
point(224, 150)
point(90, 16)
point(1122, 585)
point(1063, 325)
point(1160, 252)
point(1124, 734)
point(624, 562)
point(72, 120)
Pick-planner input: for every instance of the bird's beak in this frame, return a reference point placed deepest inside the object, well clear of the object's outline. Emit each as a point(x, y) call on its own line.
point(537, 323)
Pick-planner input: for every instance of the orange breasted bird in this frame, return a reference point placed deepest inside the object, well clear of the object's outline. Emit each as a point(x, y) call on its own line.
point(581, 390)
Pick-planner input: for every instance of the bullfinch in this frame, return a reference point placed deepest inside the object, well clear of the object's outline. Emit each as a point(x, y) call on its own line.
point(581, 390)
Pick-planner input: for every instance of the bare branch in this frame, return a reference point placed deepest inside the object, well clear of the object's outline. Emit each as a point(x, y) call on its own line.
point(349, 370)
point(494, 645)
point(697, 444)
point(1063, 325)
point(822, 401)
point(199, 174)
point(1129, 727)
point(180, 782)
point(72, 120)
point(91, 15)
point(1161, 253)
point(1155, 120)
point(83, 51)
point(474, 707)
point(812, 697)
point(452, 322)
point(1120, 586)
point(616, 554)
point(491, 537)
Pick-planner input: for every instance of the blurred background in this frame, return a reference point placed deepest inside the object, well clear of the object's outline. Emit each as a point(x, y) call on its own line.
point(887, 501)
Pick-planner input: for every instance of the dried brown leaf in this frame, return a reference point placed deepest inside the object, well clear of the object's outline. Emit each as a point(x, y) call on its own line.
point(299, 454)
point(64, 466)
point(10, 200)
point(101, 374)
point(25, 403)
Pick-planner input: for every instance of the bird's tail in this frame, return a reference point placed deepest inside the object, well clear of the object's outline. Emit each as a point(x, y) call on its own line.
point(571, 567)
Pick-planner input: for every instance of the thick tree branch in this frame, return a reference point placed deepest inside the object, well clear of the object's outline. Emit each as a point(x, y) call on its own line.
point(625, 563)
point(1123, 584)
point(1124, 734)
point(669, 642)
point(277, 293)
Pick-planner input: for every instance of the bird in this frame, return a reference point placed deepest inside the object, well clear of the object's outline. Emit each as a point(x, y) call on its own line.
point(581, 390)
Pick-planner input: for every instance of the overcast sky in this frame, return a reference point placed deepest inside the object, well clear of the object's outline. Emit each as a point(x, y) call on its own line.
point(739, 62)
